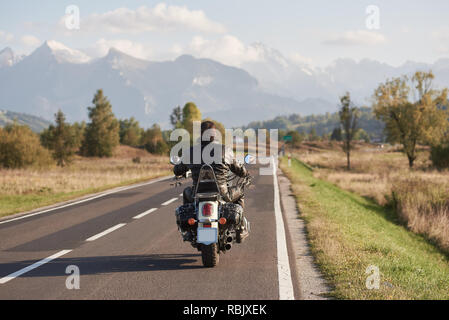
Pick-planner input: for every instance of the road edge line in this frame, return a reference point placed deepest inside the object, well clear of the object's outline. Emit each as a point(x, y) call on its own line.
point(286, 291)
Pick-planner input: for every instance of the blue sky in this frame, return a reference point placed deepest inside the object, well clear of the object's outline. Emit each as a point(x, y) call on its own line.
point(316, 32)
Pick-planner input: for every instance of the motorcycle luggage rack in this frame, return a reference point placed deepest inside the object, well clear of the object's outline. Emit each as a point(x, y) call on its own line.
point(210, 182)
point(212, 196)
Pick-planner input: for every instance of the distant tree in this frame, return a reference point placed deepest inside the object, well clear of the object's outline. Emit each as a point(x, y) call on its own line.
point(313, 136)
point(79, 129)
point(413, 111)
point(130, 132)
point(297, 138)
point(349, 122)
point(362, 135)
point(153, 140)
point(336, 135)
point(102, 133)
point(20, 147)
point(190, 113)
point(176, 117)
point(61, 140)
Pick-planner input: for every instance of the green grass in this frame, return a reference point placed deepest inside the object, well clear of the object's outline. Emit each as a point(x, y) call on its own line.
point(10, 204)
point(348, 233)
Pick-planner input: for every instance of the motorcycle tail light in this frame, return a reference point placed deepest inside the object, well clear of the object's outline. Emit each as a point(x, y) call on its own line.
point(207, 210)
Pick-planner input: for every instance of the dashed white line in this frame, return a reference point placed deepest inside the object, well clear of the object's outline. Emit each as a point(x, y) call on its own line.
point(166, 203)
point(33, 266)
point(101, 234)
point(145, 213)
point(284, 274)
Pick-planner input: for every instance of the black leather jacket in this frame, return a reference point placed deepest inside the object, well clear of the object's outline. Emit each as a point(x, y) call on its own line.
point(223, 170)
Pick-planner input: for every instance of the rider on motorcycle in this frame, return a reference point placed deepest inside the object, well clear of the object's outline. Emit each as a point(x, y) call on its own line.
point(223, 169)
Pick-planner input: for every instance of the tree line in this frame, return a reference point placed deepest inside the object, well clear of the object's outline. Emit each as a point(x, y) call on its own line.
point(408, 111)
point(21, 147)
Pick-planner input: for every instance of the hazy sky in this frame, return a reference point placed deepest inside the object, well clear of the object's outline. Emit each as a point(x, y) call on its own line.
point(313, 31)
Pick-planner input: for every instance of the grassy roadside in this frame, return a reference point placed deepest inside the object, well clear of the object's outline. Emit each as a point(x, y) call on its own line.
point(30, 188)
point(349, 233)
point(11, 204)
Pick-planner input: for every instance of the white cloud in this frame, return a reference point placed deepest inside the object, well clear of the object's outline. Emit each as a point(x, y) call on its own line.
point(143, 19)
point(227, 49)
point(135, 49)
point(300, 60)
point(359, 37)
point(6, 36)
point(30, 41)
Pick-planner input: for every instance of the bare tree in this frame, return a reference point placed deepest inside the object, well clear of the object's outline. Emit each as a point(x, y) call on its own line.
point(349, 116)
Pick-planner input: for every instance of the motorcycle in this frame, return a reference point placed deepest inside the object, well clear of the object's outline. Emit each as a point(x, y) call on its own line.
point(209, 223)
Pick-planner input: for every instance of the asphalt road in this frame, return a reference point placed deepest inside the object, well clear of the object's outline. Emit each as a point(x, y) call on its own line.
point(143, 256)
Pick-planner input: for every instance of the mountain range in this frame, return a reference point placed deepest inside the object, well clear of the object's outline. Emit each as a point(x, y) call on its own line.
point(36, 124)
point(57, 77)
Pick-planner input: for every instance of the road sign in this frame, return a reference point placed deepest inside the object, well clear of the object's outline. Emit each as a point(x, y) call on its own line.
point(287, 138)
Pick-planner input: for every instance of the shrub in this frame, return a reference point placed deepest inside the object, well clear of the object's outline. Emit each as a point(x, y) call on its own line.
point(20, 147)
point(439, 155)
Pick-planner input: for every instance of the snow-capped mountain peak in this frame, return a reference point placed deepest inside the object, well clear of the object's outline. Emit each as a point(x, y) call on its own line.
point(8, 58)
point(61, 53)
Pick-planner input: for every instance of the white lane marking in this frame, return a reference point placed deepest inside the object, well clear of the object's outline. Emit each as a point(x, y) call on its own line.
point(33, 266)
point(101, 234)
point(145, 213)
point(180, 194)
point(88, 199)
point(285, 278)
point(166, 203)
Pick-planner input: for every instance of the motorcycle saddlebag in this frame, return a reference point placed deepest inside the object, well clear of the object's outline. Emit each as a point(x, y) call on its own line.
point(183, 214)
point(232, 212)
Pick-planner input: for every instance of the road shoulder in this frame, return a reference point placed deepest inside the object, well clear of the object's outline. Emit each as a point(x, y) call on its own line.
point(311, 283)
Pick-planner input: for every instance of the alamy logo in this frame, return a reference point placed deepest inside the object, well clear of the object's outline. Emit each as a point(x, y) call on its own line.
point(257, 143)
point(72, 18)
point(372, 21)
point(373, 280)
point(73, 280)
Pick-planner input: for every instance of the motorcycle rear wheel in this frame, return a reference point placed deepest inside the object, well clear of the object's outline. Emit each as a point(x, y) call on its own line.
point(209, 255)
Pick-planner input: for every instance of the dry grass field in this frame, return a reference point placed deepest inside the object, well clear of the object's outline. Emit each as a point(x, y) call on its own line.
point(420, 196)
point(27, 189)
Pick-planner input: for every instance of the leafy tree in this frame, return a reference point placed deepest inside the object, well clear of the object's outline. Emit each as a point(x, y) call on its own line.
point(61, 140)
point(313, 136)
point(130, 132)
point(413, 111)
point(79, 129)
point(102, 133)
point(362, 135)
point(190, 113)
point(297, 138)
point(349, 122)
point(20, 147)
point(153, 141)
point(176, 117)
point(336, 135)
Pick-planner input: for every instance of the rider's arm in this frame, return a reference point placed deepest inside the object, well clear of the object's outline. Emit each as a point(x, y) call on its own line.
point(236, 167)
